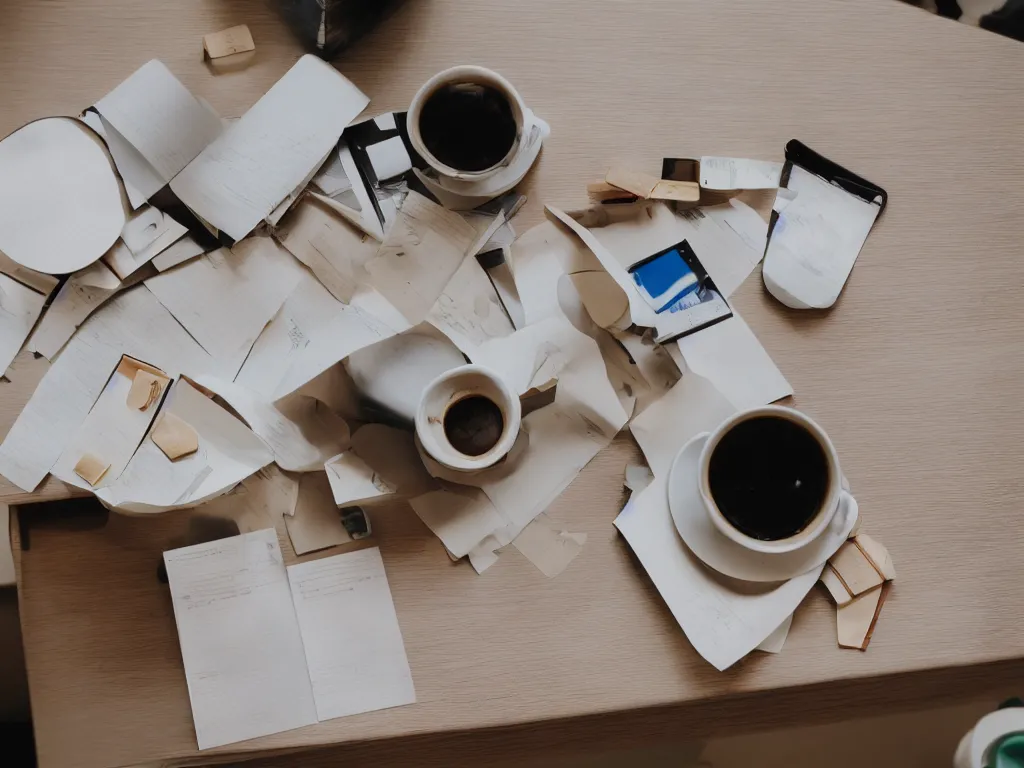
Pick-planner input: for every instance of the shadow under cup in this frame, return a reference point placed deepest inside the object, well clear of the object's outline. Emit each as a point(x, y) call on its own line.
point(771, 476)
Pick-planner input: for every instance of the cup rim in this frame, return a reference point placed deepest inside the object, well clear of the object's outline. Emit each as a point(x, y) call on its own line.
point(447, 455)
point(467, 73)
point(824, 515)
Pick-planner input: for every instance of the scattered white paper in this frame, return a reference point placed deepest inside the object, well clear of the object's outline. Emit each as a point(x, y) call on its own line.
point(228, 453)
point(177, 253)
point(389, 158)
point(316, 523)
point(419, 255)
point(133, 323)
point(37, 281)
point(82, 293)
point(258, 161)
point(814, 244)
point(112, 430)
point(354, 483)
point(723, 624)
point(739, 173)
point(468, 311)
point(225, 298)
point(302, 432)
point(331, 179)
point(392, 454)
point(461, 517)
point(354, 649)
point(729, 355)
point(160, 118)
point(548, 546)
point(20, 307)
point(60, 202)
point(126, 159)
point(240, 641)
point(777, 639)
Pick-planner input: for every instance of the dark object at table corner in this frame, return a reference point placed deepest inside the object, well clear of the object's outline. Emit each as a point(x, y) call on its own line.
point(344, 21)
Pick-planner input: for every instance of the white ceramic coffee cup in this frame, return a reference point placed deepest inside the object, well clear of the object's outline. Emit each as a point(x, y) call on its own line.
point(448, 389)
point(834, 496)
point(466, 73)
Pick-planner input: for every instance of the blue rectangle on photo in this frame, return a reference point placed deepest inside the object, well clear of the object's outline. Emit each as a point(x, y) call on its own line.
point(664, 279)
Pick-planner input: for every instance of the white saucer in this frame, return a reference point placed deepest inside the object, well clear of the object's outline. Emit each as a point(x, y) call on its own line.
point(725, 555)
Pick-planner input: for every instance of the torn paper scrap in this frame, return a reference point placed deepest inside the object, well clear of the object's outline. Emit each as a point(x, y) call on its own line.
point(20, 307)
point(146, 389)
point(637, 477)
point(240, 642)
point(729, 173)
point(177, 253)
point(151, 232)
point(228, 42)
point(350, 633)
point(333, 249)
point(317, 521)
point(460, 516)
point(80, 295)
point(258, 161)
point(548, 546)
point(855, 621)
point(777, 639)
point(226, 298)
point(878, 555)
point(722, 624)
point(820, 222)
point(175, 437)
point(228, 452)
point(651, 187)
point(855, 569)
point(392, 454)
point(692, 406)
point(141, 181)
point(133, 323)
point(160, 118)
point(354, 483)
point(60, 201)
point(91, 469)
point(729, 355)
point(37, 281)
point(113, 429)
point(419, 255)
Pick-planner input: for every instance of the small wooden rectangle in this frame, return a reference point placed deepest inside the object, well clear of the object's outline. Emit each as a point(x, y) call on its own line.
point(175, 437)
point(228, 42)
point(855, 569)
point(91, 468)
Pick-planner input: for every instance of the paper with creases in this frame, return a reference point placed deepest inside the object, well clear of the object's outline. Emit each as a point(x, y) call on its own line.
point(259, 160)
point(240, 641)
point(729, 355)
point(419, 255)
point(777, 639)
point(353, 644)
point(739, 173)
point(79, 297)
point(354, 483)
point(177, 253)
point(722, 623)
point(468, 311)
point(316, 523)
point(20, 307)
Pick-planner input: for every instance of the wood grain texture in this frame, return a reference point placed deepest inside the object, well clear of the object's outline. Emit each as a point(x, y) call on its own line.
point(915, 373)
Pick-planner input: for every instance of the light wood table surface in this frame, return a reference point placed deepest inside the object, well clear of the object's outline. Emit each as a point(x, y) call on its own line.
point(916, 373)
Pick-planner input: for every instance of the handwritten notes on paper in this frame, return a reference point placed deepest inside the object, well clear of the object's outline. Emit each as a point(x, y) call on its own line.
point(267, 649)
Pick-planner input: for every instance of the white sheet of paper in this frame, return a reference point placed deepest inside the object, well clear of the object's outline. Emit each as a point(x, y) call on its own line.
point(20, 307)
point(82, 293)
point(177, 253)
point(354, 649)
point(160, 118)
point(316, 523)
point(227, 297)
point(739, 173)
point(258, 161)
point(125, 263)
point(60, 202)
point(112, 430)
point(460, 516)
point(389, 158)
point(419, 255)
point(302, 432)
point(7, 573)
point(228, 453)
point(240, 640)
point(815, 241)
point(468, 311)
point(354, 483)
point(692, 406)
point(133, 323)
point(548, 545)
point(729, 355)
point(777, 639)
point(331, 179)
point(722, 623)
point(333, 249)
point(124, 155)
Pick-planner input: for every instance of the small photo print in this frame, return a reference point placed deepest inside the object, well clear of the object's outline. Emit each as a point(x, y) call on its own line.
point(675, 285)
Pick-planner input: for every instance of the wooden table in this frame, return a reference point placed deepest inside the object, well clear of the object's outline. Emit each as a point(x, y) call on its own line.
point(916, 373)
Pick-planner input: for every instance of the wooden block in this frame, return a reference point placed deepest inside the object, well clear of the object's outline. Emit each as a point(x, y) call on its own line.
point(635, 182)
point(855, 622)
point(228, 42)
point(145, 390)
point(91, 469)
point(834, 585)
point(855, 569)
point(602, 191)
point(681, 191)
point(175, 437)
point(878, 555)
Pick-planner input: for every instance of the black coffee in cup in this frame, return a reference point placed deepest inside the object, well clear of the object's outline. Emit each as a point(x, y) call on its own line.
point(769, 477)
point(473, 425)
point(468, 126)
